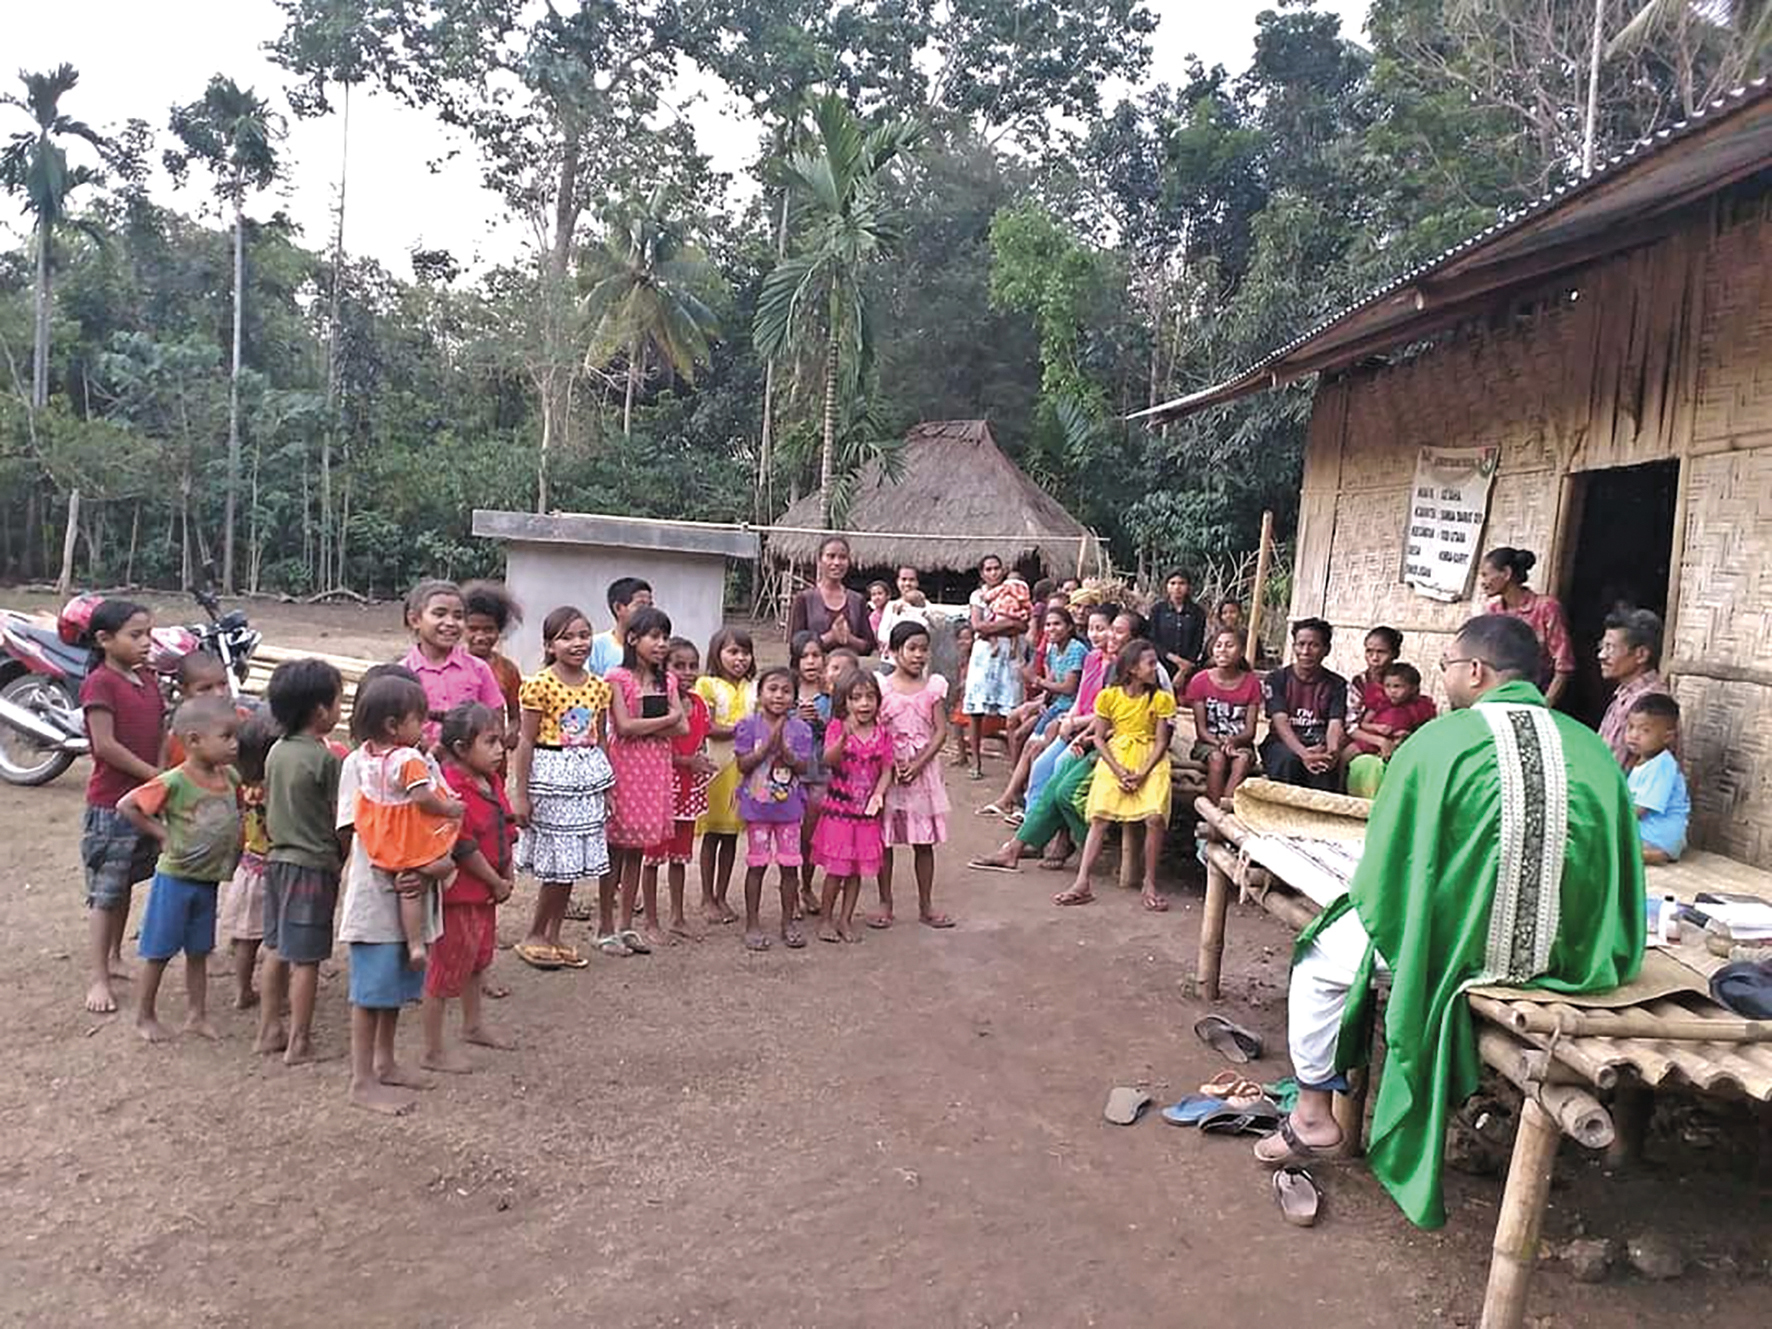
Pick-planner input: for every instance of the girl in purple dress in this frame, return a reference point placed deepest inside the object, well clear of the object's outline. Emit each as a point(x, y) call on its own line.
point(858, 757)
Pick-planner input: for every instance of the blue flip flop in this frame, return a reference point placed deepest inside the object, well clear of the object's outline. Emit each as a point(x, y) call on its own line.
point(1189, 1111)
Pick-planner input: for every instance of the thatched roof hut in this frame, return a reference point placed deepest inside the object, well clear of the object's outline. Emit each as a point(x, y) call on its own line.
point(957, 499)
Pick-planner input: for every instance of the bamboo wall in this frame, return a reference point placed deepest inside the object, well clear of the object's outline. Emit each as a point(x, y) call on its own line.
point(1664, 352)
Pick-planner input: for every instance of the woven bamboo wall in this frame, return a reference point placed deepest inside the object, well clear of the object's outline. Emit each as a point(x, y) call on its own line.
point(1662, 352)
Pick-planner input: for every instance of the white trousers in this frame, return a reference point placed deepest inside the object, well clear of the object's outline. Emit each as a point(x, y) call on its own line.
point(1317, 999)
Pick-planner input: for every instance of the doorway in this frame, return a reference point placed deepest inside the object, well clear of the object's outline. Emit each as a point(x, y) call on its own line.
point(1621, 558)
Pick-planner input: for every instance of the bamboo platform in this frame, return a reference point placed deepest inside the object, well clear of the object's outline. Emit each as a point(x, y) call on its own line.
point(1558, 1054)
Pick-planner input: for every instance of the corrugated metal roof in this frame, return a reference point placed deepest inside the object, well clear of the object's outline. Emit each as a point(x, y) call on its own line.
point(1724, 141)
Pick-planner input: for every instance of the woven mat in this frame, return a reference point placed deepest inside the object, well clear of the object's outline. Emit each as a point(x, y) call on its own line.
point(1269, 808)
point(1661, 976)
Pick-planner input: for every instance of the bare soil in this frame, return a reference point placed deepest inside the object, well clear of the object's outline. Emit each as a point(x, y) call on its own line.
point(905, 1132)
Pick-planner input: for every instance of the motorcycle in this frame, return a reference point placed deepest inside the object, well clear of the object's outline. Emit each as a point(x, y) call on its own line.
point(41, 726)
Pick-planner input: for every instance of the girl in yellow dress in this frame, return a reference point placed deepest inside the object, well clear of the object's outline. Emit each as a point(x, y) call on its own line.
point(1131, 781)
point(730, 691)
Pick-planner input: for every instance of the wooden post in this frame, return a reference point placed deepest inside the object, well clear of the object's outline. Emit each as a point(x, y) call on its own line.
point(65, 582)
point(1522, 1211)
point(1631, 1106)
point(1218, 903)
point(1132, 835)
point(1263, 557)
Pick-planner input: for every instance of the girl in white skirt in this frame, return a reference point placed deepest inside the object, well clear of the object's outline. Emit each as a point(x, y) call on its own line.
point(562, 777)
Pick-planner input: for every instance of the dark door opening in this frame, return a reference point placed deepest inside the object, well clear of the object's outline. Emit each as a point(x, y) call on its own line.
point(1621, 558)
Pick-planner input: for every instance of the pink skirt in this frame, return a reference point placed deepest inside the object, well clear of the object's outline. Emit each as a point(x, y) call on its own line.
point(847, 846)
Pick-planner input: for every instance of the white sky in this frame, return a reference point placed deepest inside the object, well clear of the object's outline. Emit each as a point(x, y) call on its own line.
point(139, 57)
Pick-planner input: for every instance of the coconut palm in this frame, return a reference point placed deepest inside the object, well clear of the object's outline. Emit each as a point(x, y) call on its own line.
point(233, 133)
point(1748, 22)
point(816, 297)
point(647, 284)
point(35, 165)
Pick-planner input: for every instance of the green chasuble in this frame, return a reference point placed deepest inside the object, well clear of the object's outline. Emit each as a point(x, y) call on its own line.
point(1502, 848)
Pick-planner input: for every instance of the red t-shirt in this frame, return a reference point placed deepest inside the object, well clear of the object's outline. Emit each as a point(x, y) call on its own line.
point(1401, 720)
point(486, 825)
point(1226, 708)
point(689, 790)
point(138, 718)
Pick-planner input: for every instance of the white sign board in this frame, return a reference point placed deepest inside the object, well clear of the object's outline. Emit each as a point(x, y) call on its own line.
point(1448, 508)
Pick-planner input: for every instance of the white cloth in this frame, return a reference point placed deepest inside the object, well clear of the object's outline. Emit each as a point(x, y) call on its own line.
point(1318, 997)
point(896, 612)
point(371, 906)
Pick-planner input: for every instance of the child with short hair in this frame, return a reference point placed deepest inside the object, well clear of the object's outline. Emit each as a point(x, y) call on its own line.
point(730, 690)
point(563, 776)
point(773, 749)
point(1657, 785)
point(1226, 697)
point(645, 710)
point(626, 597)
point(847, 843)
point(125, 718)
point(1374, 740)
point(916, 801)
point(192, 812)
point(199, 674)
point(690, 773)
point(450, 674)
point(302, 866)
point(241, 915)
point(470, 751)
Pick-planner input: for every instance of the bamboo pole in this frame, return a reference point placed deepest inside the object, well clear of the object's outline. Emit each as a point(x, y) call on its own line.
point(1262, 558)
point(65, 582)
point(1577, 1113)
point(1633, 1023)
point(1600, 1072)
point(1211, 958)
point(1515, 1250)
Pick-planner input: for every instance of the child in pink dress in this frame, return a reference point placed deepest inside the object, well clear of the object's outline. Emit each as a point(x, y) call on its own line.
point(858, 757)
point(645, 712)
point(916, 802)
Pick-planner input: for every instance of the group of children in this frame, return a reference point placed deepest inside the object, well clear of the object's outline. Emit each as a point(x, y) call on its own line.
point(617, 753)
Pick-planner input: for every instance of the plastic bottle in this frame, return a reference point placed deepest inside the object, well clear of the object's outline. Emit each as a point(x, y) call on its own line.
point(1668, 925)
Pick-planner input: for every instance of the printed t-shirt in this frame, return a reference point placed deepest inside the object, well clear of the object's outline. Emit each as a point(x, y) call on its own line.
point(486, 825)
point(202, 823)
point(371, 909)
point(1061, 663)
point(138, 719)
point(568, 714)
point(1309, 705)
point(1659, 788)
point(1225, 707)
point(301, 791)
point(460, 676)
point(771, 792)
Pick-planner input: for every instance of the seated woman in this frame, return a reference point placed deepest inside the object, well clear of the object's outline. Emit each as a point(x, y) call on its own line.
point(1307, 710)
point(1039, 757)
point(1381, 729)
point(1225, 698)
point(1365, 690)
point(1053, 687)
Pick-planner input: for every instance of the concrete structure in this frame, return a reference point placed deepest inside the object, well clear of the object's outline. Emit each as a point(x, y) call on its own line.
point(571, 557)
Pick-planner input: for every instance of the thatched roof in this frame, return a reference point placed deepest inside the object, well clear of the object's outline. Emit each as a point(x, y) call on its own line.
point(957, 499)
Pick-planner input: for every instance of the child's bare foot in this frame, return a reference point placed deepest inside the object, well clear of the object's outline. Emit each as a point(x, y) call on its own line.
point(272, 1040)
point(245, 1001)
point(848, 933)
point(808, 903)
point(681, 931)
point(754, 940)
point(829, 931)
point(655, 937)
point(200, 1026)
point(450, 1061)
point(497, 991)
point(300, 1050)
point(100, 1000)
point(719, 912)
point(416, 954)
point(481, 1036)
point(378, 1097)
point(152, 1030)
point(402, 1078)
point(791, 936)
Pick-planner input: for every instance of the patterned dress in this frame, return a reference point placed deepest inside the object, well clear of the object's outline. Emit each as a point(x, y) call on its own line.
point(640, 804)
point(847, 842)
point(568, 778)
point(916, 813)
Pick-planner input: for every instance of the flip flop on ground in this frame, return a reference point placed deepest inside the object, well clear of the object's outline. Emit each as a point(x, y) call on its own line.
point(1298, 1195)
point(1230, 1040)
point(1125, 1105)
point(537, 955)
point(1074, 896)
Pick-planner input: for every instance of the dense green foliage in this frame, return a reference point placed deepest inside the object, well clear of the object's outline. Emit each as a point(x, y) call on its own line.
point(1035, 255)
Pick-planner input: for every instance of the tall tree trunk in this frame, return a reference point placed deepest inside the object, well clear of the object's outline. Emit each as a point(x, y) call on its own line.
point(828, 451)
point(766, 444)
point(555, 382)
point(338, 275)
point(1590, 122)
point(231, 501)
point(40, 330)
point(627, 406)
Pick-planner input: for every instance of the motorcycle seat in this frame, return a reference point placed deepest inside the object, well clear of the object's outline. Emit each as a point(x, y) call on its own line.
point(70, 660)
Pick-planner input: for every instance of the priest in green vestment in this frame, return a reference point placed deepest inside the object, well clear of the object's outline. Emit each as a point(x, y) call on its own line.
point(1502, 849)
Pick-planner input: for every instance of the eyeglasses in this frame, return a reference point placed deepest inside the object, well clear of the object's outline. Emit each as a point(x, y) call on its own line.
point(1447, 661)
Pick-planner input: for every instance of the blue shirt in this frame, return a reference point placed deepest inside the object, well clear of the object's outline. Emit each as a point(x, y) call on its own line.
point(1658, 790)
point(606, 653)
point(1060, 664)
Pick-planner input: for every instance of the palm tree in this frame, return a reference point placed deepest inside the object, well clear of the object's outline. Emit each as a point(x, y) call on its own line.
point(234, 133)
point(1748, 22)
point(646, 287)
point(816, 295)
point(35, 165)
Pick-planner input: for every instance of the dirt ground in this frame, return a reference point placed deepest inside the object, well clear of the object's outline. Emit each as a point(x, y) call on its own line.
point(906, 1132)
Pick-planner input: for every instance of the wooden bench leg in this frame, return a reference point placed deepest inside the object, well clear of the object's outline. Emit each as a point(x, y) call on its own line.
point(1350, 1111)
point(1631, 1107)
point(1218, 903)
point(1132, 855)
point(1522, 1211)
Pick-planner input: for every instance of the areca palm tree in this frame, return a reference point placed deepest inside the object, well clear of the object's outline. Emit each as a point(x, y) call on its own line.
point(33, 163)
point(233, 133)
point(647, 284)
point(816, 296)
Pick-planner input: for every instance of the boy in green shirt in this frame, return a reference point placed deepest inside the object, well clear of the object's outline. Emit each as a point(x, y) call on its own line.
point(193, 811)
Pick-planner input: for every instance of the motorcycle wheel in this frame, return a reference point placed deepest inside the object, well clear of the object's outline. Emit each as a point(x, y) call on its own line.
point(22, 760)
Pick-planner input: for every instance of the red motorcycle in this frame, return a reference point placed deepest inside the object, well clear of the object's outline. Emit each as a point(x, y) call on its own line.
point(42, 667)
